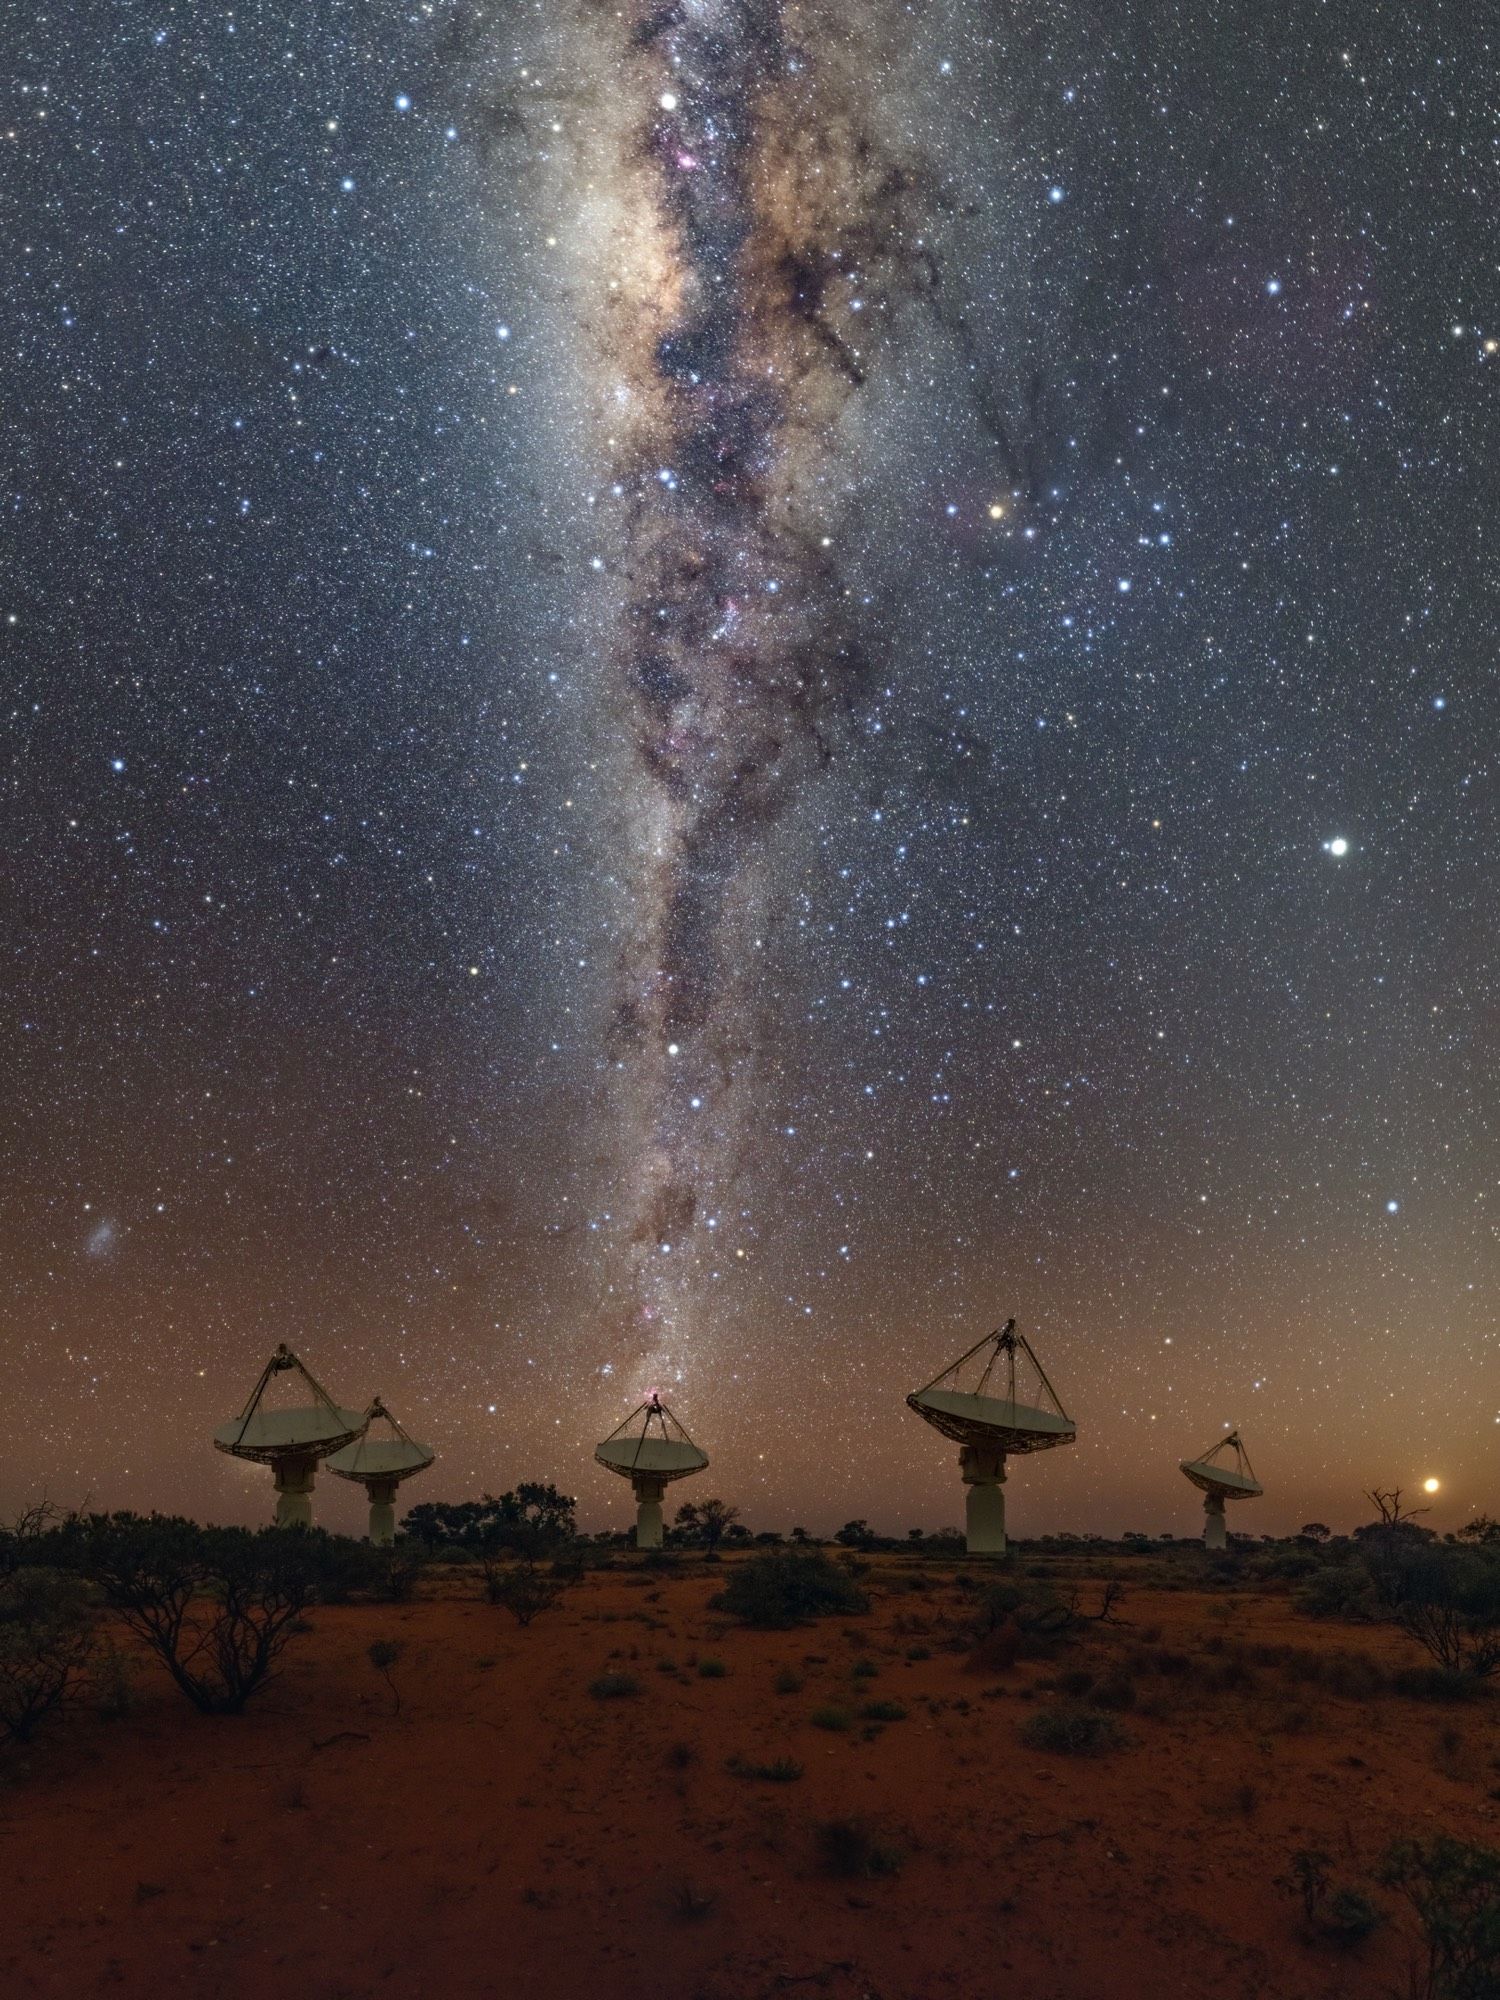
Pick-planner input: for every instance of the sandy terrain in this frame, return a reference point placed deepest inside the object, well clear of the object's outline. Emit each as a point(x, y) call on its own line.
point(510, 1833)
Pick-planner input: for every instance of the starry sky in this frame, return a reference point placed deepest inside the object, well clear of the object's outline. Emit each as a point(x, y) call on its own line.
point(699, 696)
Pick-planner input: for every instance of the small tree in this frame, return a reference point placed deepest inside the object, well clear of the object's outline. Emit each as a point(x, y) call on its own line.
point(217, 1606)
point(535, 1518)
point(856, 1535)
point(1315, 1531)
point(705, 1522)
point(1446, 1597)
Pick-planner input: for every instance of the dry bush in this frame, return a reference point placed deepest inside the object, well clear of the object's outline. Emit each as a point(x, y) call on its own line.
point(1071, 1729)
point(47, 1648)
point(849, 1847)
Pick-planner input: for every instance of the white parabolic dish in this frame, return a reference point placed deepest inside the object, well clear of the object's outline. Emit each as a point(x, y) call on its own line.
point(381, 1458)
point(970, 1419)
point(663, 1458)
point(265, 1434)
point(1228, 1480)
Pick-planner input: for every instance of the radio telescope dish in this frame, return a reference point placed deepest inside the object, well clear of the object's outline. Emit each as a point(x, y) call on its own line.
point(650, 1449)
point(290, 1440)
point(1223, 1481)
point(379, 1461)
point(991, 1422)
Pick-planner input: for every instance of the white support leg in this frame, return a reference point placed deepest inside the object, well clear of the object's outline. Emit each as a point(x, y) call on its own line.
point(294, 1486)
point(982, 1468)
point(1215, 1536)
point(382, 1513)
point(648, 1498)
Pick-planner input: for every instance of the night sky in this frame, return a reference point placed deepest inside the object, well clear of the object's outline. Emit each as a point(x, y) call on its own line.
point(698, 697)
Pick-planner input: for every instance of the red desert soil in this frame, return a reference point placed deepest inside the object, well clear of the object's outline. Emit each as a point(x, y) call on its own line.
point(509, 1833)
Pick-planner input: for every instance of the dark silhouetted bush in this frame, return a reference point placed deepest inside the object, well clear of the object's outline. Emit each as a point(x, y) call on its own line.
point(614, 1687)
point(522, 1588)
point(46, 1647)
point(217, 1606)
point(1337, 1590)
point(1454, 1889)
point(848, 1848)
point(1445, 1597)
point(785, 1588)
point(1436, 1684)
point(383, 1655)
point(1072, 1730)
point(780, 1771)
point(1338, 1913)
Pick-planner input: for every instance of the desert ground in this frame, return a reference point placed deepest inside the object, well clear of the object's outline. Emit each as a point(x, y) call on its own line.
point(582, 1807)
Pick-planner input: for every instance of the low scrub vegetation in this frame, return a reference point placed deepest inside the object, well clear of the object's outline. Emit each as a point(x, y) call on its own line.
point(779, 1771)
point(1072, 1729)
point(47, 1648)
point(784, 1588)
point(216, 1606)
point(1454, 1890)
point(850, 1848)
point(614, 1687)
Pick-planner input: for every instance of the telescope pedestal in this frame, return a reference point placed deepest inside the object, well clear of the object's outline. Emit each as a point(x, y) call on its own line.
point(294, 1486)
point(382, 1512)
point(648, 1491)
point(1215, 1535)
point(982, 1469)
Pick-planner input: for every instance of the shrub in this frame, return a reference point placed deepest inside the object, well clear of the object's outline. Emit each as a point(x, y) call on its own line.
point(46, 1648)
point(1436, 1684)
point(1454, 1889)
point(784, 1588)
point(1446, 1598)
point(711, 1670)
point(831, 1718)
point(1072, 1730)
point(883, 1711)
point(397, 1571)
point(522, 1589)
point(614, 1687)
point(848, 1847)
point(780, 1771)
point(1341, 1914)
point(1337, 1590)
point(1034, 1620)
point(786, 1682)
point(383, 1655)
point(864, 1670)
point(217, 1606)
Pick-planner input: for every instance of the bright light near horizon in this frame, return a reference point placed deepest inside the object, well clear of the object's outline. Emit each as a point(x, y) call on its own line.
point(1338, 846)
point(1431, 1485)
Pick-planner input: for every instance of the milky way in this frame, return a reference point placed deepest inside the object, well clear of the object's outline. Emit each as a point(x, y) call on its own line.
point(777, 235)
